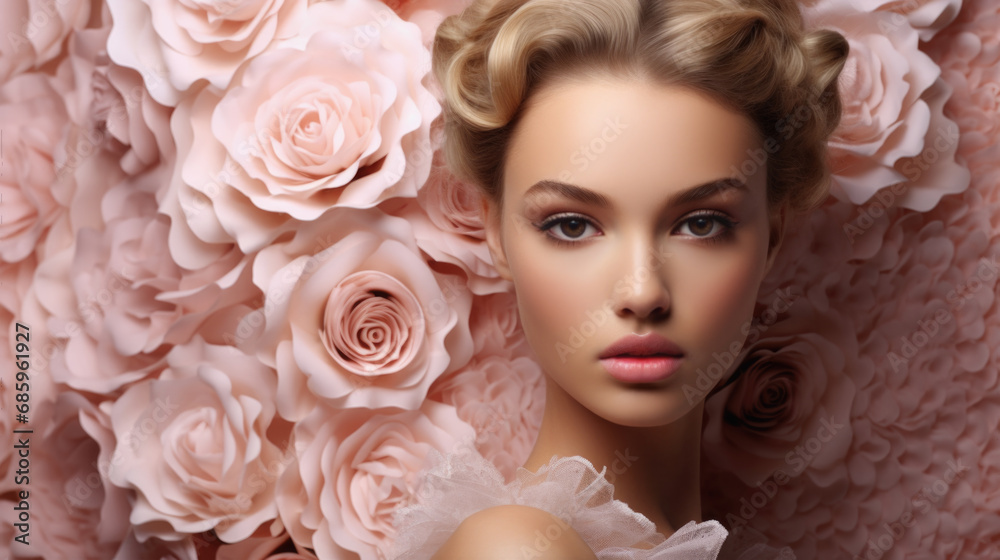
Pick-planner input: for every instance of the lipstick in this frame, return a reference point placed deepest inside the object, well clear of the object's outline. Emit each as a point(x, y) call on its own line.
point(642, 359)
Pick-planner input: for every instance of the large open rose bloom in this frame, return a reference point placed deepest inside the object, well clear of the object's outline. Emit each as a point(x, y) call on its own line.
point(175, 43)
point(337, 116)
point(354, 468)
point(892, 129)
point(194, 445)
point(354, 315)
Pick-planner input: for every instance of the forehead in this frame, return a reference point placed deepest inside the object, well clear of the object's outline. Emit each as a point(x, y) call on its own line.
point(634, 136)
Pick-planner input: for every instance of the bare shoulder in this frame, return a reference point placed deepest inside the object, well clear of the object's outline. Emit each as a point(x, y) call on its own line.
point(513, 532)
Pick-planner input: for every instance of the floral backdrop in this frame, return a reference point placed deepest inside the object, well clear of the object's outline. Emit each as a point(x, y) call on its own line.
point(251, 298)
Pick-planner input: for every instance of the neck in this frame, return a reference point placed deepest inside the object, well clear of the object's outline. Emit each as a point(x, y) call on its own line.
point(654, 469)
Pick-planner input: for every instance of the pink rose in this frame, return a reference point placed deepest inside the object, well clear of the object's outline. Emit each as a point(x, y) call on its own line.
point(448, 227)
point(76, 513)
point(927, 17)
point(152, 547)
point(125, 111)
point(503, 401)
point(34, 31)
point(262, 548)
point(193, 445)
point(116, 299)
point(355, 468)
point(352, 314)
point(788, 407)
point(892, 129)
point(175, 43)
point(428, 14)
point(337, 116)
point(496, 326)
point(34, 117)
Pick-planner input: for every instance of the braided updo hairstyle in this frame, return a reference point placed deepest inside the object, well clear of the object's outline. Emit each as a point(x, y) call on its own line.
point(752, 56)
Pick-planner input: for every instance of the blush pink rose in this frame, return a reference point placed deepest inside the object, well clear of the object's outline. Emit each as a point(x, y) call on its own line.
point(428, 14)
point(34, 31)
point(927, 17)
point(892, 129)
point(77, 513)
point(354, 315)
point(503, 400)
point(354, 469)
point(337, 116)
point(132, 118)
point(448, 227)
point(34, 117)
point(263, 548)
point(496, 326)
point(193, 445)
point(788, 406)
point(152, 547)
point(175, 43)
point(116, 299)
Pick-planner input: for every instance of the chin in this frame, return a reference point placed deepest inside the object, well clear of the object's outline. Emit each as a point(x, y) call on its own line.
point(642, 408)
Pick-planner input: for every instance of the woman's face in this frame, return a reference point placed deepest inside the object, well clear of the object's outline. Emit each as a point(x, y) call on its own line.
point(600, 241)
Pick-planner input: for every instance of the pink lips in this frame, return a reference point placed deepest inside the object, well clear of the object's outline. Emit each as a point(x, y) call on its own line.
point(642, 359)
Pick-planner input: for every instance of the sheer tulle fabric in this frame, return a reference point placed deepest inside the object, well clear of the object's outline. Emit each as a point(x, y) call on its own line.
point(464, 482)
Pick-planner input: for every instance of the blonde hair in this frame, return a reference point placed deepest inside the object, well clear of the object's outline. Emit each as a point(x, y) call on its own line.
point(750, 55)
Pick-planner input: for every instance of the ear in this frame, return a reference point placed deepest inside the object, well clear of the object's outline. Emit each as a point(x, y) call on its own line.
point(491, 222)
point(778, 223)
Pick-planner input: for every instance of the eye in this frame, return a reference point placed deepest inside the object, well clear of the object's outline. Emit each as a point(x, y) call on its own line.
point(567, 228)
point(702, 225)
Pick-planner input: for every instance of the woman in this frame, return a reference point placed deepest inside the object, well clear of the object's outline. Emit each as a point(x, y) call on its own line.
point(640, 161)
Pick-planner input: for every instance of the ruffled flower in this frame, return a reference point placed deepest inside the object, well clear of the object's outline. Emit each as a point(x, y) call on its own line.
point(337, 116)
point(353, 315)
point(34, 32)
point(503, 400)
point(77, 513)
point(34, 117)
point(448, 227)
point(175, 43)
point(892, 129)
point(115, 300)
point(789, 405)
point(193, 444)
point(354, 469)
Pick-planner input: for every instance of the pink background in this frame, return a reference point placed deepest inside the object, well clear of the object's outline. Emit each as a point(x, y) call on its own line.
point(199, 200)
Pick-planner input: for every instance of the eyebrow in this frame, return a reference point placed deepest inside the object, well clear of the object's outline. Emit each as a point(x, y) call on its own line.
point(587, 196)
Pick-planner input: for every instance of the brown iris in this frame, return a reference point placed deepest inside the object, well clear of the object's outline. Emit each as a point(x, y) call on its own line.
point(707, 222)
point(573, 227)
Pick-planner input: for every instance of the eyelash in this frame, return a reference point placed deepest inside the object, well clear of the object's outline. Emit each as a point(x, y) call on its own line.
point(556, 219)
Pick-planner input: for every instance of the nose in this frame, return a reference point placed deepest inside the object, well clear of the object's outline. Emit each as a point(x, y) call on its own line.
point(643, 292)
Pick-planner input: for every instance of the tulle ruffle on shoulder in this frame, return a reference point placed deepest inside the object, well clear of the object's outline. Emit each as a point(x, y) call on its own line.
point(464, 482)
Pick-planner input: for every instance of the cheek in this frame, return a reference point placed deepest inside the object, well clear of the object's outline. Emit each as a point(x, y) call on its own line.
point(716, 304)
point(552, 296)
